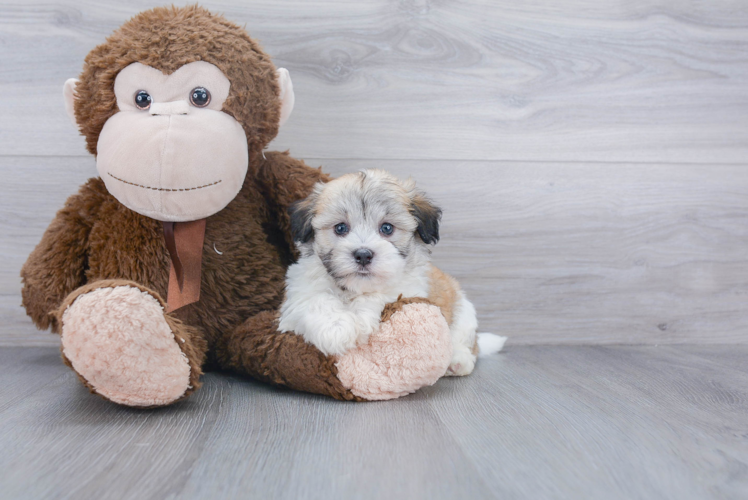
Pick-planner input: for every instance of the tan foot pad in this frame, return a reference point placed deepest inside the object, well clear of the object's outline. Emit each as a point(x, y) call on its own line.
point(118, 340)
point(411, 350)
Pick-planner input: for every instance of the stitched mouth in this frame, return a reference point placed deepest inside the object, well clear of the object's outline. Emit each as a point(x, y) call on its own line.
point(163, 189)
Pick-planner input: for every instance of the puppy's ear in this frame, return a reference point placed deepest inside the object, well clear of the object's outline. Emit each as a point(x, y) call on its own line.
point(428, 216)
point(302, 213)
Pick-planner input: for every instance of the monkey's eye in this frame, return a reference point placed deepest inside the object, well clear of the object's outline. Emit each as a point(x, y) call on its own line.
point(200, 97)
point(386, 229)
point(142, 99)
point(341, 229)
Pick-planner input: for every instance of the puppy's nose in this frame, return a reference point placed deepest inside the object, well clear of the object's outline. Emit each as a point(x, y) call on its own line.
point(363, 256)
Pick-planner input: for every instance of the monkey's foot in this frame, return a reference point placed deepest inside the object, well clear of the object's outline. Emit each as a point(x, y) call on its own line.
point(412, 349)
point(119, 342)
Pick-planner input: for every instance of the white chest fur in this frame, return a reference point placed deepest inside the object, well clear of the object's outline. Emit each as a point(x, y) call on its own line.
point(335, 319)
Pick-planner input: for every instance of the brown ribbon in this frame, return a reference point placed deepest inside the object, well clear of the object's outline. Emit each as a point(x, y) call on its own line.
point(184, 241)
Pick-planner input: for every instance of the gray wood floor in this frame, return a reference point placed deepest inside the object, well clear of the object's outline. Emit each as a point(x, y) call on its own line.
point(536, 422)
point(590, 157)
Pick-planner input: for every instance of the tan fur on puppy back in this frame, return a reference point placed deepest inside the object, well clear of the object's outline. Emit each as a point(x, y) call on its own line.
point(167, 38)
point(443, 290)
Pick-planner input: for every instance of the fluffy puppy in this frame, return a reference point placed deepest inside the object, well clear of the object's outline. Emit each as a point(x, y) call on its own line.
point(365, 239)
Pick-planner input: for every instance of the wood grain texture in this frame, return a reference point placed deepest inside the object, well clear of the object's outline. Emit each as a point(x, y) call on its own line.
point(534, 422)
point(32, 191)
point(549, 253)
point(590, 157)
point(593, 253)
point(586, 80)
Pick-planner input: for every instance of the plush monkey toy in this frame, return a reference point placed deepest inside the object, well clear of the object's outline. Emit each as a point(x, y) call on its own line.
point(173, 260)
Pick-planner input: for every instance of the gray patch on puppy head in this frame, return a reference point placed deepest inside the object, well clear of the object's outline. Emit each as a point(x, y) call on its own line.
point(327, 262)
point(326, 259)
point(403, 250)
point(301, 213)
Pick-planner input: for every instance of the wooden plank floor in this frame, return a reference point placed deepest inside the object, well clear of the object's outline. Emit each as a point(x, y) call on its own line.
point(590, 156)
point(533, 422)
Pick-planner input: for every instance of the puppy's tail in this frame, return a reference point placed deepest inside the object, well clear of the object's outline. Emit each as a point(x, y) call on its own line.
point(488, 344)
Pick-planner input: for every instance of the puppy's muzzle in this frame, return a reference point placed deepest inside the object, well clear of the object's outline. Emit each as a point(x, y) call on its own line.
point(363, 256)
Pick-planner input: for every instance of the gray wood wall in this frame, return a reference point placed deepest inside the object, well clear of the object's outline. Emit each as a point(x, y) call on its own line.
point(590, 155)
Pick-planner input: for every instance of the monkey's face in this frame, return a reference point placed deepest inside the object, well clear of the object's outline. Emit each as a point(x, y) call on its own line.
point(175, 104)
point(170, 153)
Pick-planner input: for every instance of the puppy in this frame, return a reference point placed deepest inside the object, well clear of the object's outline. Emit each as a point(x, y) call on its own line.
point(365, 239)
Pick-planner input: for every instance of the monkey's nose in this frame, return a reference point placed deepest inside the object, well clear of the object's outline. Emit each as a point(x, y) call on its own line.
point(363, 256)
point(169, 108)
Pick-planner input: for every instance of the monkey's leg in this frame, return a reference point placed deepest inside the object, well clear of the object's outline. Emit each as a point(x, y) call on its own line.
point(412, 349)
point(256, 348)
point(118, 339)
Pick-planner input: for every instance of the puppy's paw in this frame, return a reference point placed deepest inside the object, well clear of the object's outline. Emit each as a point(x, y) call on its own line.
point(337, 337)
point(463, 362)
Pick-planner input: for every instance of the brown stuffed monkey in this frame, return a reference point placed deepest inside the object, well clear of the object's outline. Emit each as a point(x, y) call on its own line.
point(173, 260)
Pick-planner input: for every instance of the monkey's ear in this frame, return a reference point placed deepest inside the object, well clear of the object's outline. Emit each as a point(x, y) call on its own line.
point(428, 216)
point(302, 213)
point(68, 93)
point(286, 95)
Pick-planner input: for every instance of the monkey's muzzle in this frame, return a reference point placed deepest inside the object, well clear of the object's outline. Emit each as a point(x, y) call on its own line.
point(174, 162)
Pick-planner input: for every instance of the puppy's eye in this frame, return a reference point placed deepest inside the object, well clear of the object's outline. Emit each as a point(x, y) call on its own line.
point(341, 229)
point(142, 99)
point(386, 229)
point(200, 97)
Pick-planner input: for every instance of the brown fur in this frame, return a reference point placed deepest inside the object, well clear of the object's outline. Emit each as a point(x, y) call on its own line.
point(94, 238)
point(286, 183)
point(443, 290)
point(248, 278)
point(282, 358)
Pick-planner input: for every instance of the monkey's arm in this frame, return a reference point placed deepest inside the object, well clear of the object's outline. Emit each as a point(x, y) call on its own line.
point(410, 350)
point(284, 180)
point(57, 265)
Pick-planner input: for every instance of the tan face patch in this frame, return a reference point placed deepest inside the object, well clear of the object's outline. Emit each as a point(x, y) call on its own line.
point(182, 164)
point(176, 86)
